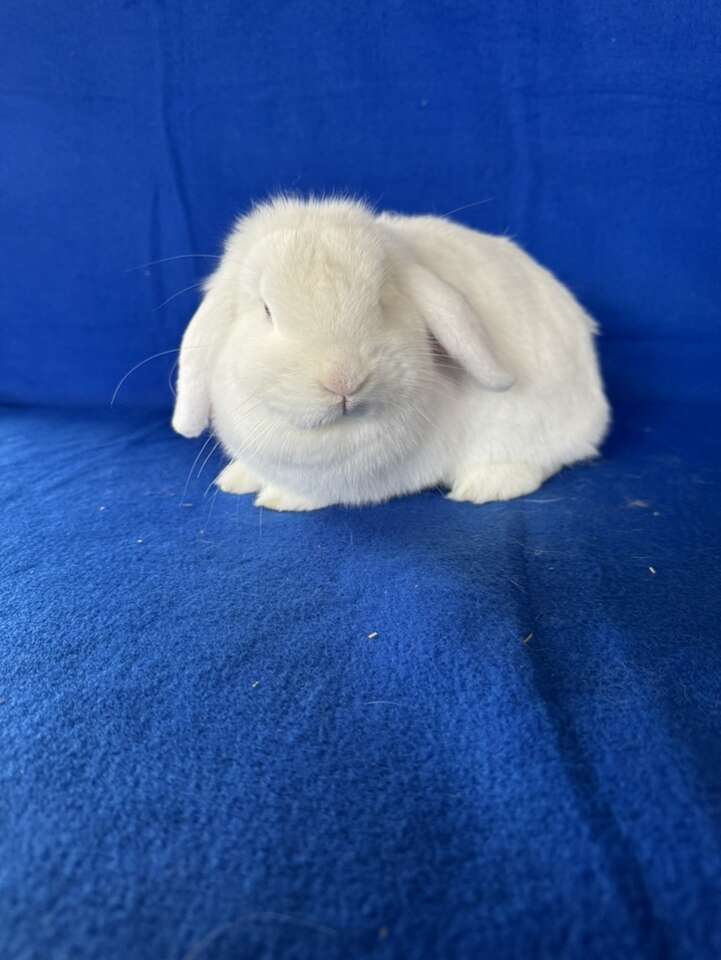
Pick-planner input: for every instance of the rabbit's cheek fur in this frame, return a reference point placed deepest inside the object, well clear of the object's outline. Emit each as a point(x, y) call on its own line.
point(364, 454)
point(325, 382)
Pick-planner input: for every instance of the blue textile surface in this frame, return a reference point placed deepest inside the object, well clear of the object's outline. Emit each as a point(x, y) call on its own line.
point(204, 755)
point(206, 751)
point(134, 132)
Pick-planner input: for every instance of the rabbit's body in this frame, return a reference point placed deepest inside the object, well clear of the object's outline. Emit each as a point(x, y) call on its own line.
point(403, 353)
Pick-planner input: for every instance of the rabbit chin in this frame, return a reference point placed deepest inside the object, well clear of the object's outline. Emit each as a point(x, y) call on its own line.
point(309, 418)
point(304, 433)
point(335, 417)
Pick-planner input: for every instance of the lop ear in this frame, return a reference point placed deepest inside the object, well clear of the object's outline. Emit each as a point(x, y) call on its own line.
point(456, 326)
point(197, 350)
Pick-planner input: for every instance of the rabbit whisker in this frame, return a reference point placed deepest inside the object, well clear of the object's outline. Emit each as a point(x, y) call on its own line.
point(178, 293)
point(163, 353)
point(467, 206)
point(197, 457)
point(170, 378)
point(180, 256)
point(215, 447)
point(154, 356)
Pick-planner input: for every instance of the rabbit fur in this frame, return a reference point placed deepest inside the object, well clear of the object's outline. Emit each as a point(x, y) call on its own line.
point(345, 357)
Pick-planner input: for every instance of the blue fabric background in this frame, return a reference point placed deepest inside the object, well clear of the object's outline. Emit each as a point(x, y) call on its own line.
point(203, 755)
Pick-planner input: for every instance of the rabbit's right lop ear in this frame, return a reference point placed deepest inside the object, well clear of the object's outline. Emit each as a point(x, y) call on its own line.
point(192, 402)
point(456, 326)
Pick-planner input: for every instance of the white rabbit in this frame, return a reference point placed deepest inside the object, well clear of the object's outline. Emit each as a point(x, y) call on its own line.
point(348, 358)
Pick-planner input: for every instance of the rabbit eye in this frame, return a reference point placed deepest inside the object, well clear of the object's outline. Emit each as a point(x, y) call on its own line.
point(267, 311)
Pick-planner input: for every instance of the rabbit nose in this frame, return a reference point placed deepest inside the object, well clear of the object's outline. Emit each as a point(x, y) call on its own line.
point(342, 384)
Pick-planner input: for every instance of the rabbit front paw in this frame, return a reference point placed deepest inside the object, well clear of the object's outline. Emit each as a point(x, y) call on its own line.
point(273, 498)
point(235, 478)
point(496, 481)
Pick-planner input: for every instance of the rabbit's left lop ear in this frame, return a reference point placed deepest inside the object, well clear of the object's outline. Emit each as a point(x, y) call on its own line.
point(456, 326)
point(192, 403)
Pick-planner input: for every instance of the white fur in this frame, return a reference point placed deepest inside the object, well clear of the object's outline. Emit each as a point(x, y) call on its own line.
point(475, 367)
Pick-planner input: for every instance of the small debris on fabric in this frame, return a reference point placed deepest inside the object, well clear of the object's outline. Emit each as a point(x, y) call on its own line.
point(186, 504)
point(383, 933)
point(543, 499)
point(255, 683)
point(372, 636)
point(101, 508)
point(652, 569)
point(638, 503)
point(139, 540)
point(529, 637)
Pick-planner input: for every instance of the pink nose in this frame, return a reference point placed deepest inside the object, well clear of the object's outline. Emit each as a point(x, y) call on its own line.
point(342, 384)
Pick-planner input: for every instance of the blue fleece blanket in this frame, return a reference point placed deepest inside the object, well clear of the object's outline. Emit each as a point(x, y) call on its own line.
point(418, 730)
point(422, 731)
